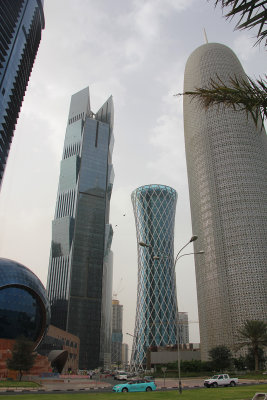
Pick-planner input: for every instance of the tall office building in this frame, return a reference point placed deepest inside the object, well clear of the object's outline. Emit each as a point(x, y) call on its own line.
point(156, 309)
point(21, 23)
point(183, 327)
point(227, 172)
point(80, 271)
point(116, 340)
point(124, 355)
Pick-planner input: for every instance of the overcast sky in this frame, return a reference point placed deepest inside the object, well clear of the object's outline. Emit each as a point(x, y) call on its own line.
point(135, 50)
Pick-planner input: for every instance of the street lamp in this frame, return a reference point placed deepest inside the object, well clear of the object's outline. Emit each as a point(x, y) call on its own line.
point(178, 256)
point(133, 336)
point(193, 238)
point(130, 334)
point(143, 244)
point(182, 255)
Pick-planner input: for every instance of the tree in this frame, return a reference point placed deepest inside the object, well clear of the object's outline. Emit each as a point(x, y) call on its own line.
point(22, 356)
point(195, 366)
point(251, 14)
point(221, 357)
point(240, 363)
point(250, 362)
point(253, 335)
point(249, 95)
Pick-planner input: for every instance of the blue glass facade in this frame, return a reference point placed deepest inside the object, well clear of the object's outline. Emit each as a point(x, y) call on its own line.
point(80, 271)
point(156, 309)
point(24, 306)
point(21, 23)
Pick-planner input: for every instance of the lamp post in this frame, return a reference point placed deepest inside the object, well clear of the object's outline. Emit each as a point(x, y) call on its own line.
point(193, 238)
point(178, 256)
point(182, 255)
point(132, 350)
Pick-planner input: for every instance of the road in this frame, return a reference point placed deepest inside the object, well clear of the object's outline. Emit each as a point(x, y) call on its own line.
point(102, 384)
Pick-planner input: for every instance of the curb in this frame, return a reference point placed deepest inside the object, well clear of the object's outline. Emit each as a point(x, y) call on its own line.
point(22, 390)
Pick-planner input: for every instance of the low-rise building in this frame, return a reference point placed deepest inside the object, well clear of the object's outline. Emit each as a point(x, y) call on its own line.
point(62, 350)
point(168, 354)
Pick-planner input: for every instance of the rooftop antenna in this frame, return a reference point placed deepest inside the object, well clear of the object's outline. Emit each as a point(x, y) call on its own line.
point(205, 36)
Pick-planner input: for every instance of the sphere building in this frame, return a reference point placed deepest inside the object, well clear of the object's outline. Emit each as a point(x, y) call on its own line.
point(24, 306)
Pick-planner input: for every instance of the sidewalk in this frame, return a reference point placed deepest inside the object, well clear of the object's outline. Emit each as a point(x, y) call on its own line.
point(58, 384)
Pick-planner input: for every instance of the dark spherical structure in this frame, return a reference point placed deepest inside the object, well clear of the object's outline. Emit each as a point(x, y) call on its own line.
point(24, 306)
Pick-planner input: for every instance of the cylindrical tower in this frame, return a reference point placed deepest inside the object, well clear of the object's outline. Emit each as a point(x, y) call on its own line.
point(227, 173)
point(156, 308)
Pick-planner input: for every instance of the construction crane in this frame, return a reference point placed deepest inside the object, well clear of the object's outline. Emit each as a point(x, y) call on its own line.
point(119, 289)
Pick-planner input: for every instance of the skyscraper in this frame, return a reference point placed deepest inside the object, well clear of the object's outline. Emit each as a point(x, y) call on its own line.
point(227, 172)
point(116, 341)
point(21, 23)
point(156, 309)
point(80, 270)
point(183, 327)
point(124, 355)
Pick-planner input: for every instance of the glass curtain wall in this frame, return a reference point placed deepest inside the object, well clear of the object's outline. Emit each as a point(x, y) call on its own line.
point(21, 24)
point(156, 310)
point(80, 271)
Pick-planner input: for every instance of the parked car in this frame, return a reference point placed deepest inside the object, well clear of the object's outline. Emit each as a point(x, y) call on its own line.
point(149, 378)
point(140, 385)
point(131, 374)
point(121, 376)
point(220, 380)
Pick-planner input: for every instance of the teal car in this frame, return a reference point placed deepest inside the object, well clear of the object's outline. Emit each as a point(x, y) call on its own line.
point(140, 385)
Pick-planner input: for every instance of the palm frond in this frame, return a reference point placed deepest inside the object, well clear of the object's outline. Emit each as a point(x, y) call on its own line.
point(254, 331)
point(241, 94)
point(251, 13)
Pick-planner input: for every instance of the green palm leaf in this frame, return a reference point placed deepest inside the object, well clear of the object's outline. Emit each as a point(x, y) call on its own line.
point(241, 94)
point(251, 13)
point(253, 334)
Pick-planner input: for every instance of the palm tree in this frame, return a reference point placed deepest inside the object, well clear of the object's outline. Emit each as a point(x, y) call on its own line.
point(251, 14)
point(254, 335)
point(249, 95)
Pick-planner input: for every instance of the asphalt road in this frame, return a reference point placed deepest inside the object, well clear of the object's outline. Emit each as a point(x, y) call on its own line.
point(105, 385)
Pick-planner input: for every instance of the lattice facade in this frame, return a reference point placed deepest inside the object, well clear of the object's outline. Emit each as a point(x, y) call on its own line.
point(156, 310)
point(227, 173)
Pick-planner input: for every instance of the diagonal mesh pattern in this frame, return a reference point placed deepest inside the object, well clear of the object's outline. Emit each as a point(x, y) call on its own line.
point(156, 308)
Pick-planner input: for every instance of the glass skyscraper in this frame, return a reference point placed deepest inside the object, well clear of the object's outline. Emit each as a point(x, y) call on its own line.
point(156, 309)
point(227, 173)
point(116, 342)
point(183, 327)
point(21, 23)
point(80, 271)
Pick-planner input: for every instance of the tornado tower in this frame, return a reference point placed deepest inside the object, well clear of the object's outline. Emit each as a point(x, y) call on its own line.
point(156, 309)
point(227, 173)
